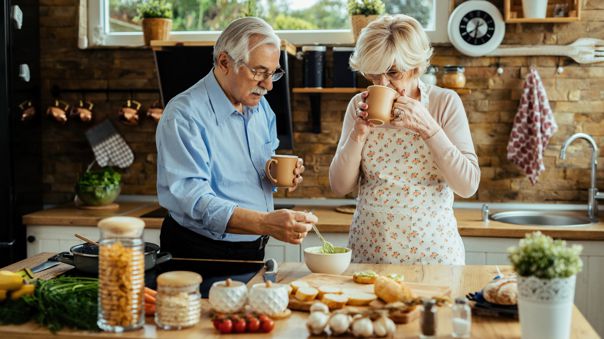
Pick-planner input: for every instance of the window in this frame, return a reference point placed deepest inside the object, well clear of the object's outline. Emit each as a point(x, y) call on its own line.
point(112, 22)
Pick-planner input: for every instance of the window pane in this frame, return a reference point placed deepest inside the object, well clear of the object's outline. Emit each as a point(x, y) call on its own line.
point(215, 15)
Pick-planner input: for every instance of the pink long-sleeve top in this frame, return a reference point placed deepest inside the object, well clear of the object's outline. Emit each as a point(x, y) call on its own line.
point(451, 147)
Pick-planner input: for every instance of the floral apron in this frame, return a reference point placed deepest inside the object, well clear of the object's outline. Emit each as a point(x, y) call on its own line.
point(404, 210)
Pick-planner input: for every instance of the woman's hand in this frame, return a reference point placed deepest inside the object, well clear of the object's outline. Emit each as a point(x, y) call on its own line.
point(362, 125)
point(298, 172)
point(411, 114)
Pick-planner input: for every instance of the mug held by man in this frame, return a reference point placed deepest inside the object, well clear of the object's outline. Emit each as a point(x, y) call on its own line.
point(280, 170)
point(379, 102)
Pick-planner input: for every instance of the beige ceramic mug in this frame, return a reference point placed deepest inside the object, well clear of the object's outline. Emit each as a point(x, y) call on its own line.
point(280, 170)
point(380, 101)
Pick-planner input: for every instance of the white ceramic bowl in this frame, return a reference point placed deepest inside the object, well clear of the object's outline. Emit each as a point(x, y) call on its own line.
point(318, 262)
point(271, 300)
point(228, 299)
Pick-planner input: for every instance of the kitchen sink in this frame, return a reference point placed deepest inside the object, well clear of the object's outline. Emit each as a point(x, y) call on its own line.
point(541, 218)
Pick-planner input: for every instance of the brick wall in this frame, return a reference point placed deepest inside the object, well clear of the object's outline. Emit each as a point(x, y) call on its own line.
point(576, 96)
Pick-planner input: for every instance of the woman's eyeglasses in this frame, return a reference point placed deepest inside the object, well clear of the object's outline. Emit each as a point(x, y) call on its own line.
point(390, 75)
point(262, 74)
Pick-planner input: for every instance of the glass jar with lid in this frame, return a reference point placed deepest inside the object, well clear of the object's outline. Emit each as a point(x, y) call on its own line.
point(429, 77)
point(121, 274)
point(453, 77)
point(178, 300)
point(461, 318)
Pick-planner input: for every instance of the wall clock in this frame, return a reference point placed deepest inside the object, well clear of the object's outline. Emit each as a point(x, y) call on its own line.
point(476, 27)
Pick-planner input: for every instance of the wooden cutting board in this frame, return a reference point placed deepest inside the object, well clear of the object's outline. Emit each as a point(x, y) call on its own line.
point(348, 286)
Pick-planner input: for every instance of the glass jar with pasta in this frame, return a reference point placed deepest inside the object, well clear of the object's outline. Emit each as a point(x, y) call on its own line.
point(121, 274)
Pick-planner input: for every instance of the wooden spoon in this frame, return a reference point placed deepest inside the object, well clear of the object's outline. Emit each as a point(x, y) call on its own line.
point(81, 237)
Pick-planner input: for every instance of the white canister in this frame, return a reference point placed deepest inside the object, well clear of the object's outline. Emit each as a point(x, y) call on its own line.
point(228, 296)
point(534, 8)
point(268, 298)
point(545, 307)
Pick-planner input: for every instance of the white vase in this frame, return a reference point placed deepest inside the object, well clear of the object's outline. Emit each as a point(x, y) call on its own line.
point(534, 8)
point(545, 307)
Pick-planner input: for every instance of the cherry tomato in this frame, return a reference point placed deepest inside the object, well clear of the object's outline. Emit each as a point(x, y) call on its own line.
point(216, 323)
point(253, 324)
point(267, 325)
point(225, 326)
point(263, 317)
point(239, 326)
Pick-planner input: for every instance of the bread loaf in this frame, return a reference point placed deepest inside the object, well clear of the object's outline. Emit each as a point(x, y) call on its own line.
point(503, 291)
point(391, 291)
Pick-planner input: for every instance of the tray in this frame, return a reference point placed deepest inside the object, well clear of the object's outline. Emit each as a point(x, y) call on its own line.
point(481, 307)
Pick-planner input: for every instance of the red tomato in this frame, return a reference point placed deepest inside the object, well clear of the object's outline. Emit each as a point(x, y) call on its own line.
point(239, 326)
point(263, 317)
point(216, 322)
point(267, 325)
point(253, 324)
point(225, 326)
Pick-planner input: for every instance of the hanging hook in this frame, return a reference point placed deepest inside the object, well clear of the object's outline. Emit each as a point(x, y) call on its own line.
point(499, 67)
point(560, 68)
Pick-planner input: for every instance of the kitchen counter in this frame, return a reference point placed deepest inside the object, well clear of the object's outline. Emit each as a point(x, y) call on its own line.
point(469, 221)
point(461, 279)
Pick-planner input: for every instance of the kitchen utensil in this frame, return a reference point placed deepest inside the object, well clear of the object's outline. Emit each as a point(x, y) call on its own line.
point(45, 265)
point(228, 296)
point(583, 51)
point(109, 148)
point(81, 237)
point(268, 298)
point(85, 257)
point(270, 265)
point(327, 247)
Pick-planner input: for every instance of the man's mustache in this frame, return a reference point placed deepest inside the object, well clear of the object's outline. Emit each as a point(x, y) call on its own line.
point(259, 90)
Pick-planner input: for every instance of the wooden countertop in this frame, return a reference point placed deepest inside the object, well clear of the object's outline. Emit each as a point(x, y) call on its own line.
point(469, 221)
point(461, 279)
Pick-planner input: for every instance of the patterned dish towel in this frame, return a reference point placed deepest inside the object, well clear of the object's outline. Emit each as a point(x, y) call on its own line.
point(534, 125)
point(109, 148)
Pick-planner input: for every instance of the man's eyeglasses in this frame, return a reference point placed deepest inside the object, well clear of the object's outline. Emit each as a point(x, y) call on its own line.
point(390, 75)
point(262, 74)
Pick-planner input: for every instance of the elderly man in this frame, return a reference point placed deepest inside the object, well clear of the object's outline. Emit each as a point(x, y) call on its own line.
point(212, 144)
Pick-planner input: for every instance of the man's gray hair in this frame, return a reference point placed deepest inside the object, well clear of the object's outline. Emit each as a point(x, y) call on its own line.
point(234, 40)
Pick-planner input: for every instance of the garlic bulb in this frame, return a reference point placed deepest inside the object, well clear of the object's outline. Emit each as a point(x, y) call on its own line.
point(316, 322)
point(339, 323)
point(384, 326)
point(319, 307)
point(362, 328)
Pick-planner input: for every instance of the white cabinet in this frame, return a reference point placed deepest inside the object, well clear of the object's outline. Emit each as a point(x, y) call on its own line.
point(282, 251)
point(588, 292)
point(60, 238)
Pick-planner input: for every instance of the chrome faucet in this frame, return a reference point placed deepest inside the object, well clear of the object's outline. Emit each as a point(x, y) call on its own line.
point(593, 194)
point(485, 213)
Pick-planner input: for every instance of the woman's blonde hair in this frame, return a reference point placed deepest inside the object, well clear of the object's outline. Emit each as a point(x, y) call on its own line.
point(397, 40)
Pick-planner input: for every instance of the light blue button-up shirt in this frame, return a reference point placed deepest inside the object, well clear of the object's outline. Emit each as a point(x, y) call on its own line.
point(210, 159)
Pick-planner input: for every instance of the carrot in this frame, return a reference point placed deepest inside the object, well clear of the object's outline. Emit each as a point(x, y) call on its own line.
point(149, 309)
point(151, 292)
point(149, 299)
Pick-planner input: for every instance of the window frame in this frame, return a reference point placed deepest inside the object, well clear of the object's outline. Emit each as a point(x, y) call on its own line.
point(95, 31)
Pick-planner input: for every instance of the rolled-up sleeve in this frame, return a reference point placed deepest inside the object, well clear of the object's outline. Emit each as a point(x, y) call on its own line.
point(184, 177)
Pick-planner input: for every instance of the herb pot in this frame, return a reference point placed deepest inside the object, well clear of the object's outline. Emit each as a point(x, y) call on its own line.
point(85, 257)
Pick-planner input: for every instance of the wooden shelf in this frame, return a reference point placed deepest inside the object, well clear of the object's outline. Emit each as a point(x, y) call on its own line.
point(462, 91)
point(332, 90)
point(513, 12)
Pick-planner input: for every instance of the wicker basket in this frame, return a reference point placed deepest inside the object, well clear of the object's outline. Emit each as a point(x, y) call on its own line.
point(359, 22)
point(156, 29)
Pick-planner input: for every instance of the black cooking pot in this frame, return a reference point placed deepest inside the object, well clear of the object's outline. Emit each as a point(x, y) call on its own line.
point(85, 257)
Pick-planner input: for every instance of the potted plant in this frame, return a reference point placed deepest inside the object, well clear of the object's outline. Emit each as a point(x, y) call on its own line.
point(547, 272)
point(156, 16)
point(534, 8)
point(362, 12)
point(98, 187)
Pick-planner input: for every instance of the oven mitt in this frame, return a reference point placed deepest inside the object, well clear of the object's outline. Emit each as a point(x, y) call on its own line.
point(109, 148)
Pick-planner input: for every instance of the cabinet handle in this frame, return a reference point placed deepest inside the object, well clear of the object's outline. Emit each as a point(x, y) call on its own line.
point(7, 244)
point(17, 16)
point(24, 72)
point(31, 239)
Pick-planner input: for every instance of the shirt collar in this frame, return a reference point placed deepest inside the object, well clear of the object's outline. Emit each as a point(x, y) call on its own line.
point(223, 108)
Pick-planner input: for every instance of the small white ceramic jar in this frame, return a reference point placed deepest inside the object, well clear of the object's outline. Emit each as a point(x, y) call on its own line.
point(268, 298)
point(228, 296)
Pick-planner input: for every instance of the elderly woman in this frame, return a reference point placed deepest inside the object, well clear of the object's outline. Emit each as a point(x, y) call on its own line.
point(406, 171)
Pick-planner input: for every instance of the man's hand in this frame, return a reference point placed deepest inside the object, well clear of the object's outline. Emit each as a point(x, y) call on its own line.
point(288, 226)
point(298, 175)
